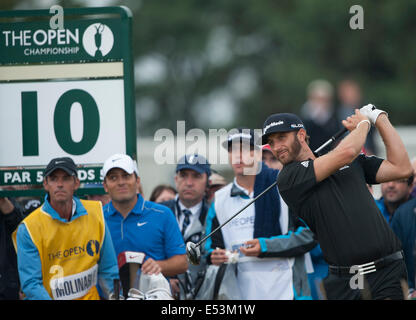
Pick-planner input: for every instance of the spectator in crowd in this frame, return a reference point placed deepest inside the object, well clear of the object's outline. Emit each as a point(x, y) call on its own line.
point(413, 194)
point(162, 193)
point(404, 226)
point(320, 271)
point(64, 242)
point(269, 159)
point(394, 193)
point(318, 113)
point(216, 182)
point(103, 197)
point(265, 229)
point(10, 217)
point(350, 98)
point(25, 204)
point(138, 225)
point(190, 209)
point(28, 204)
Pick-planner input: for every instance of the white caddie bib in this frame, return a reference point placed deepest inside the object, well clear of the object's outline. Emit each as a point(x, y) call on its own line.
point(258, 278)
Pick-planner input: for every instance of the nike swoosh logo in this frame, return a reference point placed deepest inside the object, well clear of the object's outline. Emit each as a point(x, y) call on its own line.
point(141, 224)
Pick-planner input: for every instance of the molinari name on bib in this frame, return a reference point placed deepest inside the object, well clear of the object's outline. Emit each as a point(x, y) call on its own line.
point(74, 286)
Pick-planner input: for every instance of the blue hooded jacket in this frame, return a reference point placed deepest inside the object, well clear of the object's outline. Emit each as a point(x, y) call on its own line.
point(404, 226)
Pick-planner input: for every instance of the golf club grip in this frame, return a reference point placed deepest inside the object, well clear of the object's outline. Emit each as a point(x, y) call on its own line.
point(339, 133)
point(237, 213)
point(332, 139)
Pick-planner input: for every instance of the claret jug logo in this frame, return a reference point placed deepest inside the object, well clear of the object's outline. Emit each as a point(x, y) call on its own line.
point(93, 247)
point(98, 40)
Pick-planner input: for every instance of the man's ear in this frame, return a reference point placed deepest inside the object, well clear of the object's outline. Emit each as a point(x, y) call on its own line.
point(105, 186)
point(301, 134)
point(77, 183)
point(45, 184)
point(176, 180)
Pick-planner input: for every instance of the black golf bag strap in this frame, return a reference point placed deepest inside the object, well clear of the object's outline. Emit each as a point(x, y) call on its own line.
point(199, 281)
point(218, 280)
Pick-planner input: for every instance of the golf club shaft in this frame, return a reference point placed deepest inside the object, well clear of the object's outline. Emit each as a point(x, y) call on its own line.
point(332, 139)
point(117, 289)
point(242, 209)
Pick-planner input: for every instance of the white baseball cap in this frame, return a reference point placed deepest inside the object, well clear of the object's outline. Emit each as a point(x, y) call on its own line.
point(122, 161)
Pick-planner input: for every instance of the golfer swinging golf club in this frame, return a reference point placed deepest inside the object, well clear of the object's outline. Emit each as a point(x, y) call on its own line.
point(192, 249)
point(329, 193)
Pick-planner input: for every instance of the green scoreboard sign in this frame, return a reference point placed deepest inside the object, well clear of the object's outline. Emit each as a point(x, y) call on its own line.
point(67, 91)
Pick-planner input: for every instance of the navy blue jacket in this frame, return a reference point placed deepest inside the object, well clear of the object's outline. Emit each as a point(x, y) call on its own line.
point(174, 207)
point(404, 226)
point(9, 278)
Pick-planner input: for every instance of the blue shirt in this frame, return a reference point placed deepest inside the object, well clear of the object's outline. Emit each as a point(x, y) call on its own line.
point(149, 228)
point(383, 209)
point(30, 266)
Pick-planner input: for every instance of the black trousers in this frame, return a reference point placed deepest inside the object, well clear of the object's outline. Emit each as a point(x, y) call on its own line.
point(9, 294)
point(385, 283)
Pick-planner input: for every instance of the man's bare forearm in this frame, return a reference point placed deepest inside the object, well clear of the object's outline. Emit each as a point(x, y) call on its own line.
point(175, 265)
point(396, 152)
point(355, 140)
point(348, 149)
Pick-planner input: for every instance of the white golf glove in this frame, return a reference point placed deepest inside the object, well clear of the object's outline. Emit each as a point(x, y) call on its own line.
point(371, 112)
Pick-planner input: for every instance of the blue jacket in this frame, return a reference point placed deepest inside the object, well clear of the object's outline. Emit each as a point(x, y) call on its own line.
point(194, 236)
point(383, 209)
point(404, 226)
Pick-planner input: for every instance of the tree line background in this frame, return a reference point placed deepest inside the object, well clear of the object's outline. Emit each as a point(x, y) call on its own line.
point(230, 63)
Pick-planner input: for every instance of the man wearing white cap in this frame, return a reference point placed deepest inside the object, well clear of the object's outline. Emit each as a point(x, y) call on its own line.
point(138, 225)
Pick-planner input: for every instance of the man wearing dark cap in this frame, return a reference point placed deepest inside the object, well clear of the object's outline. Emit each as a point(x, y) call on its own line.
point(263, 230)
point(190, 208)
point(64, 247)
point(330, 194)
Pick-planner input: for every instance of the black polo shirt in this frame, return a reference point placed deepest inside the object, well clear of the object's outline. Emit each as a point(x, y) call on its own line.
point(340, 210)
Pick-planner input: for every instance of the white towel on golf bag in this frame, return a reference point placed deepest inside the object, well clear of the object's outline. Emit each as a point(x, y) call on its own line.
point(151, 287)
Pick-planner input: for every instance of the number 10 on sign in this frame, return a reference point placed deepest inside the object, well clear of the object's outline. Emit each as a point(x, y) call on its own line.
point(81, 119)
